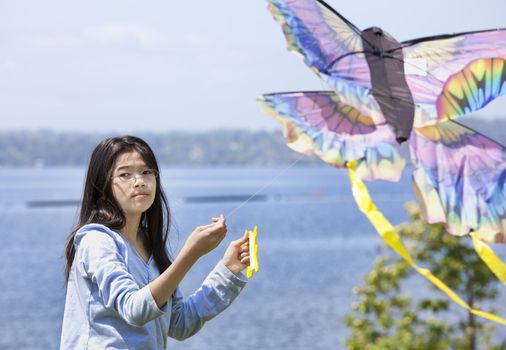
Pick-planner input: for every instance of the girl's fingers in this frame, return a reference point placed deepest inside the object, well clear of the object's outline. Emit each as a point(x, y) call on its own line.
point(243, 240)
point(213, 225)
point(220, 218)
point(203, 227)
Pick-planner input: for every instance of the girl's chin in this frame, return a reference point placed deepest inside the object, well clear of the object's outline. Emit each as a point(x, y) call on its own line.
point(139, 208)
point(135, 212)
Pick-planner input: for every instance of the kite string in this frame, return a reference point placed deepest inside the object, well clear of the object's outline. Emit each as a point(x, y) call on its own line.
point(264, 186)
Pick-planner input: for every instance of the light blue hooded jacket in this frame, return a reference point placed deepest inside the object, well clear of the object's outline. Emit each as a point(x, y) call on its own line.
point(109, 304)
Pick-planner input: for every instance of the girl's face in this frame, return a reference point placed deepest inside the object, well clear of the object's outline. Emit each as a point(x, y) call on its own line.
point(133, 184)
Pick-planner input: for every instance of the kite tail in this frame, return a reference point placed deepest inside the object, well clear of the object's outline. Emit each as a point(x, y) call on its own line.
point(494, 263)
point(388, 234)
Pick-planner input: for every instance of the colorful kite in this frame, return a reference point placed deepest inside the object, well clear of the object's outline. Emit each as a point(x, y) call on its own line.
point(385, 93)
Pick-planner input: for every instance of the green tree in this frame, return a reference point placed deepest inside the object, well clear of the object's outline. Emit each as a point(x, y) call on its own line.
point(386, 317)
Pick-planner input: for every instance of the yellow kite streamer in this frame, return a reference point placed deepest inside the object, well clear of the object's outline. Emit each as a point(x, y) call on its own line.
point(489, 258)
point(388, 234)
point(253, 252)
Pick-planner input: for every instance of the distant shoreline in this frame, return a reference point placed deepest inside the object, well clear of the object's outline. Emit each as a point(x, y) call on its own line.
point(46, 148)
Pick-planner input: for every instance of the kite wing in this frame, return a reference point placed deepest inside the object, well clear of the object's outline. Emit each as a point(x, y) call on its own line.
point(320, 123)
point(332, 47)
point(320, 35)
point(448, 75)
point(453, 75)
point(459, 178)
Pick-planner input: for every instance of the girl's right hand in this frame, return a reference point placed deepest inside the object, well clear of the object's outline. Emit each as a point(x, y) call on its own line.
point(205, 238)
point(199, 242)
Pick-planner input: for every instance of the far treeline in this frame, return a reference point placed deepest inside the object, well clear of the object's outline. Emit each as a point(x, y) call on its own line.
point(216, 148)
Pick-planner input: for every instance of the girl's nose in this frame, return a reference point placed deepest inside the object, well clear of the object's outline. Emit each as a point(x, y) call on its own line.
point(139, 181)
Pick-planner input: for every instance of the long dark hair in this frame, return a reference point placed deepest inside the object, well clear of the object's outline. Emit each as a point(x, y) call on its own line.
point(100, 207)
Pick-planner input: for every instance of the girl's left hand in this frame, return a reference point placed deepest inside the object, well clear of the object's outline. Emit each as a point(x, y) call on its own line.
point(236, 256)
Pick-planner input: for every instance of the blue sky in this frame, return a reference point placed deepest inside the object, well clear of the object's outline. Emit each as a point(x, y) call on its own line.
point(126, 66)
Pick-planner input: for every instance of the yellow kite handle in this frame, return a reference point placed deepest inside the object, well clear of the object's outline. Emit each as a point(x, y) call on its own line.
point(253, 252)
point(388, 234)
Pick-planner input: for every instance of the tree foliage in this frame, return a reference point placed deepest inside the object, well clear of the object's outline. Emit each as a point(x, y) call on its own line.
point(386, 315)
point(213, 148)
point(176, 148)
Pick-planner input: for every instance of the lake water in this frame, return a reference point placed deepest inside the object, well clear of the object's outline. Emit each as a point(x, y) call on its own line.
point(314, 247)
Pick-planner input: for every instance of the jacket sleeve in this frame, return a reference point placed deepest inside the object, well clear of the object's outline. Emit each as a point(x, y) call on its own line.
point(99, 259)
point(216, 293)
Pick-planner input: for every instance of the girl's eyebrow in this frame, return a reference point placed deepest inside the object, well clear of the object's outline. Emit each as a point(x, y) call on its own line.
point(129, 167)
point(124, 167)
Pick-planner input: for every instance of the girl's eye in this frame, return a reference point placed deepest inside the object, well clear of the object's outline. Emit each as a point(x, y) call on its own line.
point(148, 172)
point(125, 175)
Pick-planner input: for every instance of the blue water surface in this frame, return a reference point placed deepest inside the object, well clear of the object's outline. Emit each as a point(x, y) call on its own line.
point(314, 247)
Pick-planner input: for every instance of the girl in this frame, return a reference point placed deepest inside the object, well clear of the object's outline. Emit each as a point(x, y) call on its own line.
point(121, 286)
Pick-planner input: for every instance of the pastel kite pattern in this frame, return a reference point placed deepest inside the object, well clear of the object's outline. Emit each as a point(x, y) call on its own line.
point(384, 93)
